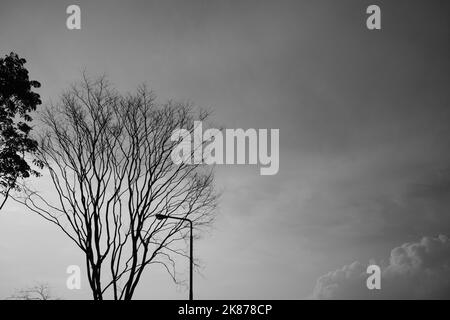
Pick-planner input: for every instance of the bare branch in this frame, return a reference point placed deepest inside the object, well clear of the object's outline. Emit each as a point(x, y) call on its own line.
point(108, 157)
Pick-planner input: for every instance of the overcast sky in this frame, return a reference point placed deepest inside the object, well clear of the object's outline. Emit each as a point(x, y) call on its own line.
point(364, 132)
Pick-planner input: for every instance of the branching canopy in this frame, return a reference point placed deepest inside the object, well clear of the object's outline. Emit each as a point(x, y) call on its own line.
point(109, 159)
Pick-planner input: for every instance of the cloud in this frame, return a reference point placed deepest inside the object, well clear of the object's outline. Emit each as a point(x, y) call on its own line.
point(417, 270)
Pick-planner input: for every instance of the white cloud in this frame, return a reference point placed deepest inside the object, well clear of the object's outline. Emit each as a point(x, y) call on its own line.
point(417, 270)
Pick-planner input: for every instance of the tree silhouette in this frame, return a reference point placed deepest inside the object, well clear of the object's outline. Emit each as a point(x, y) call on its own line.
point(17, 100)
point(109, 159)
point(40, 291)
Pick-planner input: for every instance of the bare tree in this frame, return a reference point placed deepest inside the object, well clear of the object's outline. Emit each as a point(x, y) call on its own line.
point(108, 156)
point(40, 291)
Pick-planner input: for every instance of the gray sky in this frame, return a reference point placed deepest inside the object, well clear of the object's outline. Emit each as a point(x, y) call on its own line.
point(363, 117)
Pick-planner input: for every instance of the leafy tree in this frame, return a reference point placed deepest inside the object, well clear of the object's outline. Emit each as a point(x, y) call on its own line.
point(17, 100)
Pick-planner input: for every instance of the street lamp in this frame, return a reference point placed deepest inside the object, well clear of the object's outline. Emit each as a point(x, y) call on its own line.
point(163, 217)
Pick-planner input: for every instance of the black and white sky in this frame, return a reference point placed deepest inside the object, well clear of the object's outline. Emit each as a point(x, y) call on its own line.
point(364, 120)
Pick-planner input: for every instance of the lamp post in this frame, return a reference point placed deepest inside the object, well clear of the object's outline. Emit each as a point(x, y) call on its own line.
point(191, 251)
